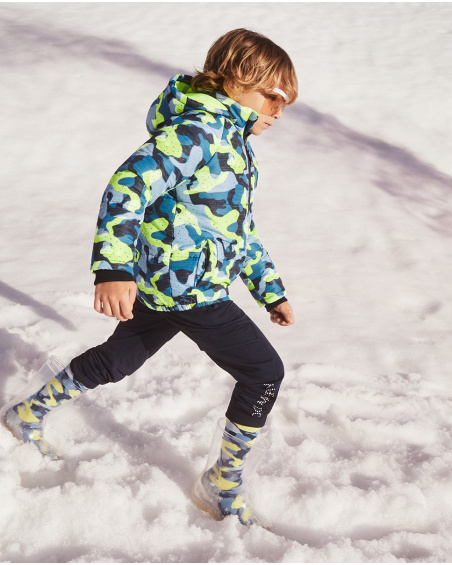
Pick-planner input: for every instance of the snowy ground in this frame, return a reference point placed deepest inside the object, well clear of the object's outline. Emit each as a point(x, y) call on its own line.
point(354, 205)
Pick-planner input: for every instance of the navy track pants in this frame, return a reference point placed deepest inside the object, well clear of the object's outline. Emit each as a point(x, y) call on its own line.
point(228, 336)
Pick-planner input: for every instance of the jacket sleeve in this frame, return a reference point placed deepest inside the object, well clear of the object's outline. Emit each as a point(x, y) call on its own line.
point(162, 163)
point(259, 273)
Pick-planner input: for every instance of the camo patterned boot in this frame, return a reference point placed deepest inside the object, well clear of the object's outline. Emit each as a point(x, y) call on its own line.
point(25, 419)
point(220, 490)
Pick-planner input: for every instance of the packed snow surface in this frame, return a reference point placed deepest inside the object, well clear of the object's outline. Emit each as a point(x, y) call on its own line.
point(354, 205)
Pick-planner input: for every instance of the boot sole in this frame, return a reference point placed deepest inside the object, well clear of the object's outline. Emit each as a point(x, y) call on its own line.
point(205, 507)
point(4, 423)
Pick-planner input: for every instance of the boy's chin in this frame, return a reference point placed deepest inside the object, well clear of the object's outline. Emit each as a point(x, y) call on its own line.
point(256, 130)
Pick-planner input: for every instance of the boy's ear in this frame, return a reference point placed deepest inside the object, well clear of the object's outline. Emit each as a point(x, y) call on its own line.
point(230, 88)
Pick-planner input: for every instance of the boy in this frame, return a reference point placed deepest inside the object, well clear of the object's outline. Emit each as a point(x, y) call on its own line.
point(175, 229)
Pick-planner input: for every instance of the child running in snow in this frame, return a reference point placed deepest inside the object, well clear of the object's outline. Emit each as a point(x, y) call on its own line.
point(175, 229)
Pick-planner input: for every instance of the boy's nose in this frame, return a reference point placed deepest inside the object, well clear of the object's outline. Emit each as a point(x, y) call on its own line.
point(277, 115)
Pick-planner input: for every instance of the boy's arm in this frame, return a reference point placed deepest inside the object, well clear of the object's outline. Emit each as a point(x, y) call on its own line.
point(155, 168)
point(260, 275)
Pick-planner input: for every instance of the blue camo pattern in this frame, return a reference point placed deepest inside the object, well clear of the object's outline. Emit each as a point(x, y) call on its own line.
point(177, 215)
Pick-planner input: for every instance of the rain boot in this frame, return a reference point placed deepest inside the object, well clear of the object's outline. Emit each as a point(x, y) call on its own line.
point(25, 419)
point(221, 490)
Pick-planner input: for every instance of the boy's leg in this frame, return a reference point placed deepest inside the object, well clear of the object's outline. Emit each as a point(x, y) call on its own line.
point(123, 353)
point(126, 350)
point(236, 344)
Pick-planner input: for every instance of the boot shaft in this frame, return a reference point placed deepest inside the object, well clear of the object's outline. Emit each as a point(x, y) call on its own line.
point(236, 444)
point(223, 487)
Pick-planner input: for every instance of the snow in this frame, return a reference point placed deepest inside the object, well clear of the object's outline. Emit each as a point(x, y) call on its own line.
point(353, 205)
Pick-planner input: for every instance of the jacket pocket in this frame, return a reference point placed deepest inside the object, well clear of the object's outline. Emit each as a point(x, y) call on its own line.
point(185, 267)
point(215, 268)
point(206, 270)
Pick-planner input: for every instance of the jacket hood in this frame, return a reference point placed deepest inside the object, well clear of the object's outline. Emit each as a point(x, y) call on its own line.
point(178, 97)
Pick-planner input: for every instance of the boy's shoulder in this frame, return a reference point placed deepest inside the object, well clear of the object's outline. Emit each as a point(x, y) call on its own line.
point(189, 129)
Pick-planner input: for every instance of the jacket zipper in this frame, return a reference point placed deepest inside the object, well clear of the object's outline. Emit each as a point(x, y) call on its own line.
point(249, 176)
point(245, 232)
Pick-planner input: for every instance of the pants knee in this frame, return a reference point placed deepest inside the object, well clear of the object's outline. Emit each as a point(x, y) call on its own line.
point(279, 369)
point(93, 368)
point(274, 374)
point(253, 400)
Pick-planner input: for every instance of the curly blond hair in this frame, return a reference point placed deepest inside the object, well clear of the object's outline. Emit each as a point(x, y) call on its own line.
point(246, 60)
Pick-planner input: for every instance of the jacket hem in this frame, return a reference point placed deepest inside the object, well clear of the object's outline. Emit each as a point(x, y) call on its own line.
point(181, 307)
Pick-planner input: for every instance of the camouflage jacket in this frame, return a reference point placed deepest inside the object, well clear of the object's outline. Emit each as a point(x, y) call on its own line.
point(176, 217)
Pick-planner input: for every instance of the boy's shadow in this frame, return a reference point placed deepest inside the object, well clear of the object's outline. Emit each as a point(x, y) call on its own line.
point(43, 310)
point(418, 185)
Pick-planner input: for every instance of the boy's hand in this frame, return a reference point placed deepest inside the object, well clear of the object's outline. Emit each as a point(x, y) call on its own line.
point(115, 299)
point(282, 314)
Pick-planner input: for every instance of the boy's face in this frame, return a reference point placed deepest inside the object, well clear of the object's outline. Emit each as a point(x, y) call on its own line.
point(266, 102)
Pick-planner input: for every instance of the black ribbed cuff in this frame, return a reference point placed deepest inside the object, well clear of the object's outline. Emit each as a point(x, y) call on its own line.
point(269, 307)
point(110, 276)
